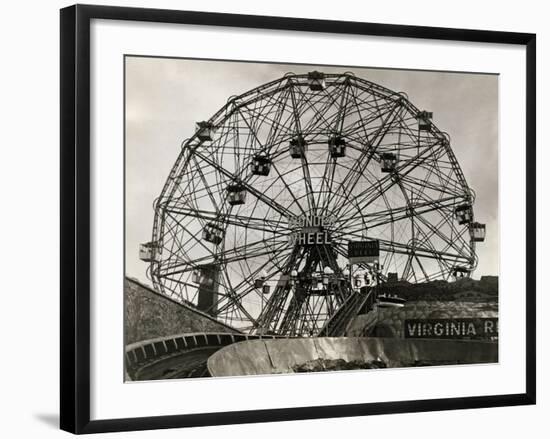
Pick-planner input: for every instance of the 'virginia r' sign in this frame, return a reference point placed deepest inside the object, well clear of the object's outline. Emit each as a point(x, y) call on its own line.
point(472, 328)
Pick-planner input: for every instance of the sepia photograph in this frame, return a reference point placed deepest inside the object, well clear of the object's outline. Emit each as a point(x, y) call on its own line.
point(293, 218)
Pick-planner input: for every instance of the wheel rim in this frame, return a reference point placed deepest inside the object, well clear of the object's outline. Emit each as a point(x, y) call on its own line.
point(410, 210)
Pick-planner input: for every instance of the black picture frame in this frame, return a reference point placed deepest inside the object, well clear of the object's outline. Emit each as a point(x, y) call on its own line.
point(75, 217)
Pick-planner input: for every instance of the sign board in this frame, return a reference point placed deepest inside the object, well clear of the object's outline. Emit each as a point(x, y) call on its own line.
point(468, 328)
point(363, 251)
point(309, 238)
point(310, 230)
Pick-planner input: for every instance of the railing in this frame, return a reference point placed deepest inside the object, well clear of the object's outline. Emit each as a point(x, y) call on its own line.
point(336, 326)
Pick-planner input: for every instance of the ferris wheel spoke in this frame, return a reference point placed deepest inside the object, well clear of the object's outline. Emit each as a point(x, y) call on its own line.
point(446, 219)
point(287, 187)
point(346, 197)
point(254, 249)
point(275, 124)
point(190, 234)
point(444, 188)
point(424, 252)
point(320, 109)
point(231, 296)
point(332, 126)
point(230, 218)
point(174, 246)
point(176, 174)
point(376, 111)
point(378, 218)
point(331, 163)
point(456, 240)
point(456, 244)
point(305, 168)
point(206, 185)
point(271, 203)
point(188, 268)
point(247, 98)
point(248, 281)
point(263, 247)
point(444, 265)
point(405, 249)
point(327, 181)
point(365, 128)
point(308, 184)
point(277, 127)
point(362, 163)
point(366, 197)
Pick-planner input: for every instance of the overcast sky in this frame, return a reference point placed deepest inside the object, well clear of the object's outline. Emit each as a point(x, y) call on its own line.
point(165, 97)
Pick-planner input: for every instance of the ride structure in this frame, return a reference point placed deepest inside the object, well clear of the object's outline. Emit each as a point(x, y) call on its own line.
point(289, 206)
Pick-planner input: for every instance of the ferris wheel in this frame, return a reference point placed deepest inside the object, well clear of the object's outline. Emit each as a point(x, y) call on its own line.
point(265, 203)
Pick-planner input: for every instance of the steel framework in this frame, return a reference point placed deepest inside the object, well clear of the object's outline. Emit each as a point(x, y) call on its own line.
point(308, 145)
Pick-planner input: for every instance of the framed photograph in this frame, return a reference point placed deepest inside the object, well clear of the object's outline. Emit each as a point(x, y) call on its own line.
point(283, 218)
